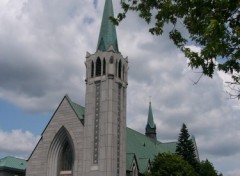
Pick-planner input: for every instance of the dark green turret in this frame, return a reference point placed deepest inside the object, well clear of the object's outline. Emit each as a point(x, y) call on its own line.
point(151, 127)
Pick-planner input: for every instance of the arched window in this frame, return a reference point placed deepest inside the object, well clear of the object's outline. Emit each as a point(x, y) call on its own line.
point(104, 66)
point(61, 155)
point(134, 170)
point(98, 67)
point(66, 160)
point(120, 69)
point(92, 69)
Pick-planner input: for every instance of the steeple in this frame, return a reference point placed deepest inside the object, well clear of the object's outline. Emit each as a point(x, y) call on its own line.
point(150, 127)
point(105, 104)
point(107, 36)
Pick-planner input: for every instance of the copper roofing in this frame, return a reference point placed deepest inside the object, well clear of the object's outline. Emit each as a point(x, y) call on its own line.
point(150, 122)
point(10, 162)
point(107, 36)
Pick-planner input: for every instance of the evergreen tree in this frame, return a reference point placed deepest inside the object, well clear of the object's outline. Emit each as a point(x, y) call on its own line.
point(206, 168)
point(186, 149)
point(167, 164)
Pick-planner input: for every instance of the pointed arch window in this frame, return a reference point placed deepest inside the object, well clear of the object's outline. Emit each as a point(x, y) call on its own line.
point(104, 66)
point(92, 69)
point(61, 155)
point(66, 160)
point(98, 67)
point(134, 170)
point(120, 69)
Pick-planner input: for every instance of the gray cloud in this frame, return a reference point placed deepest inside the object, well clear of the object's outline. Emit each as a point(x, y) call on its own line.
point(42, 52)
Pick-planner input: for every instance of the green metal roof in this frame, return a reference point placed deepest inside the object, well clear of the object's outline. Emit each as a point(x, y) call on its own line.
point(130, 158)
point(145, 148)
point(13, 163)
point(107, 36)
point(78, 109)
point(150, 122)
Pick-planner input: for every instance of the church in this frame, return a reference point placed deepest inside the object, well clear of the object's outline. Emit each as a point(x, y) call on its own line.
point(93, 140)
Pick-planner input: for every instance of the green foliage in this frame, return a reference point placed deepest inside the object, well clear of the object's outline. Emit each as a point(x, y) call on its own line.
point(166, 164)
point(206, 168)
point(186, 149)
point(213, 25)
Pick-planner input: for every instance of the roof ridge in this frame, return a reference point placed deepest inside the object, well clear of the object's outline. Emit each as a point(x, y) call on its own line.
point(77, 108)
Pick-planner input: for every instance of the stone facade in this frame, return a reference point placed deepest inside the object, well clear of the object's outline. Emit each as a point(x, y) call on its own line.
point(64, 125)
point(96, 144)
point(105, 122)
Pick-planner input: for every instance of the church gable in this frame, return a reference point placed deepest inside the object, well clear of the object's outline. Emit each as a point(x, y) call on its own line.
point(64, 132)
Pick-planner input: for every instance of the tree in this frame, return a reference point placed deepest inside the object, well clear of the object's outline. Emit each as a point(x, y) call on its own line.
point(165, 164)
point(186, 149)
point(206, 168)
point(213, 25)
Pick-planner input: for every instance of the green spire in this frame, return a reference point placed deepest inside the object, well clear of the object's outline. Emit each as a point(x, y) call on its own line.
point(150, 121)
point(107, 35)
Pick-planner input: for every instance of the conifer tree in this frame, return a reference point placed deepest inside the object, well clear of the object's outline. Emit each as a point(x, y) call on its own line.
point(207, 168)
point(169, 164)
point(185, 148)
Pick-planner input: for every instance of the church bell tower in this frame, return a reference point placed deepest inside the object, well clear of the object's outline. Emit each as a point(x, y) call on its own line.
point(105, 104)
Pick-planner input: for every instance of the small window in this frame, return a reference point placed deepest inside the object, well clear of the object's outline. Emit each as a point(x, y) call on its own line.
point(92, 69)
point(104, 66)
point(116, 68)
point(134, 170)
point(98, 67)
point(123, 72)
point(111, 60)
point(120, 69)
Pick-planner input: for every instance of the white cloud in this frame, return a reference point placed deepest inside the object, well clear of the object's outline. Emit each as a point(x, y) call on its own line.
point(17, 142)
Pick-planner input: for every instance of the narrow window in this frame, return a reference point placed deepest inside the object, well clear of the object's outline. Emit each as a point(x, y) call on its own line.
point(92, 69)
point(134, 170)
point(104, 66)
point(119, 69)
point(123, 72)
point(98, 67)
point(116, 68)
point(66, 160)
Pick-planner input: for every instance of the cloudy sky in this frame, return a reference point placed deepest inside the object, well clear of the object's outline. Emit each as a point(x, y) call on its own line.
point(43, 46)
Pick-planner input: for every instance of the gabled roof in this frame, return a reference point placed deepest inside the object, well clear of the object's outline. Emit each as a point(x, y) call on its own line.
point(107, 36)
point(78, 109)
point(145, 148)
point(10, 162)
point(138, 146)
point(130, 159)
